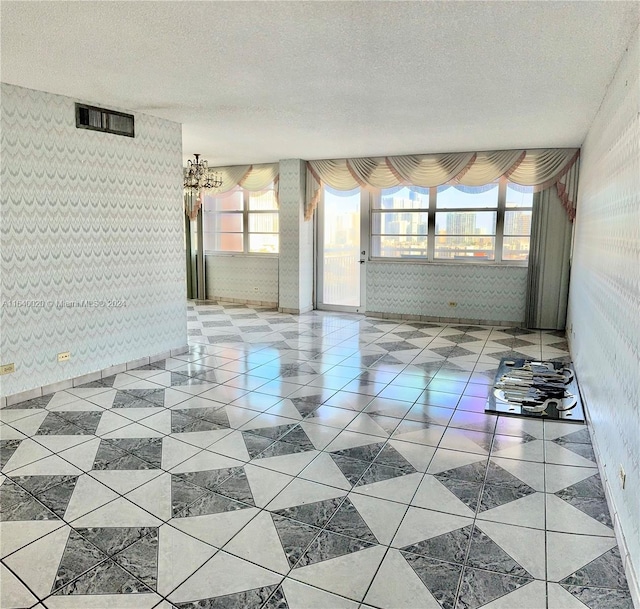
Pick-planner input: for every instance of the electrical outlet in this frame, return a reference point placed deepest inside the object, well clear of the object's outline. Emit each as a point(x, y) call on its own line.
point(7, 368)
point(623, 477)
point(64, 357)
point(453, 303)
point(255, 289)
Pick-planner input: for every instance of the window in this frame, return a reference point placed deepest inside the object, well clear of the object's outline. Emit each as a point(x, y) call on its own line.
point(453, 223)
point(466, 222)
point(399, 223)
point(241, 222)
point(517, 222)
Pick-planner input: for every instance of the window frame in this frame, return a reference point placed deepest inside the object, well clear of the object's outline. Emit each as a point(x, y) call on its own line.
point(245, 212)
point(430, 258)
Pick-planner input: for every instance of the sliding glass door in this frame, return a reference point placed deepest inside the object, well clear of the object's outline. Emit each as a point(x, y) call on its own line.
point(343, 221)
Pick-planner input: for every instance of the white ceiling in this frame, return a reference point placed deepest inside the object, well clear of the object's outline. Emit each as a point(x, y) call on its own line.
point(260, 81)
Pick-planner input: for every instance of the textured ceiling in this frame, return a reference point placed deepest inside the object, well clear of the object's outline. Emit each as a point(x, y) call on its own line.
point(261, 81)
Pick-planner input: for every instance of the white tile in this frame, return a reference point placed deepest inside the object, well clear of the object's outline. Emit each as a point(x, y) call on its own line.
point(348, 575)
point(221, 575)
point(397, 585)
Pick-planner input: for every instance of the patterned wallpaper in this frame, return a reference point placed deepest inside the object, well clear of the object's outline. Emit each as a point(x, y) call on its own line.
point(604, 298)
point(493, 293)
point(91, 241)
point(251, 278)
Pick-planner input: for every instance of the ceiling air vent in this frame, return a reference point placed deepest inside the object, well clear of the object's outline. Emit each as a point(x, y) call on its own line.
point(101, 119)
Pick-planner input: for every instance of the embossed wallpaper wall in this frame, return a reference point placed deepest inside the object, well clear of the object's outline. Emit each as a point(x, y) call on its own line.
point(492, 293)
point(91, 239)
point(296, 240)
point(237, 277)
point(604, 298)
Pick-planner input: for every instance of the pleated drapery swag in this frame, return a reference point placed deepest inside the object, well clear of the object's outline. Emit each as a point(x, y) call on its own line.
point(540, 168)
point(251, 177)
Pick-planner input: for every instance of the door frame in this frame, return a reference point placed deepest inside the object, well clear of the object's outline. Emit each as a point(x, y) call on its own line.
point(319, 216)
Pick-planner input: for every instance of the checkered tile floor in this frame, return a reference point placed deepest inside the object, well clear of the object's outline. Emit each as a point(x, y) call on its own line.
point(320, 461)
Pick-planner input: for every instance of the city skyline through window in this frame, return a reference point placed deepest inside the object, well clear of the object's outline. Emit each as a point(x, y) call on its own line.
point(491, 222)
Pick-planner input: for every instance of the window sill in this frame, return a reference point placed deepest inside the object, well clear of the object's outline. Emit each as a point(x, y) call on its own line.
point(240, 255)
point(449, 262)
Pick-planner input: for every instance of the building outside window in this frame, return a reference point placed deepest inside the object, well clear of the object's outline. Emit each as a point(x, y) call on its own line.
point(489, 223)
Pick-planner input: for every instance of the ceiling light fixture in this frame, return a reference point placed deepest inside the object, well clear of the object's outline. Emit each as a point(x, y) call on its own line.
point(197, 176)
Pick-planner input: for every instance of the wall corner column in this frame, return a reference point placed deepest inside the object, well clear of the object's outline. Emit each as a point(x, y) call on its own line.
point(295, 275)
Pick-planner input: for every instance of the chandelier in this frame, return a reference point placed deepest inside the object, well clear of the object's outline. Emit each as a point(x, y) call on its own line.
point(197, 176)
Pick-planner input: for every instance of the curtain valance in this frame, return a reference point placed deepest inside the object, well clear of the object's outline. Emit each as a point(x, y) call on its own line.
point(539, 168)
point(251, 177)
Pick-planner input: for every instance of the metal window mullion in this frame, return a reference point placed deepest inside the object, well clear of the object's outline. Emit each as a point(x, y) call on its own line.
point(245, 221)
point(502, 197)
point(431, 224)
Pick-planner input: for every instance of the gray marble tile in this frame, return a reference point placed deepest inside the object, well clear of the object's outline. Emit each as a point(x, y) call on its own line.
point(39, 484)
point(155, 396)
point(210, 503)
point(57, 498)
point(295, 536)
point(317, 513)
point(467, 492)
point(39, 402)
point(7, 448)
point(274, 433)
point(596, 507)
point(209, 479)
point(306, 405)
point(112, 540)
point(478, 587)
point(606, 571)
point(147, 449)
point(268, 597)
point(484, 553)
point(105, 578)
point(182, 422)
point(55, 425)
point(328, 545)
point(280, 448)
point(133, 398)
point(87, 421)
point(111, 456)
point(237, 487)
point(347, 521)
point(590, 487)
point(581, 436)
point(255, 444)
point(213, 415)
point(579, 448)
point(141, 559)
point(351, 468)
point(298, 436)
point(601, 598)
point(183, 493)
point(475, 472)
point(79, 556)
point(450, 547)
point(494, 495)
point(497, 475)
point(441, 578)
point(17, 504)
point(368, 452)
point(378, 473)
point(391, 457)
